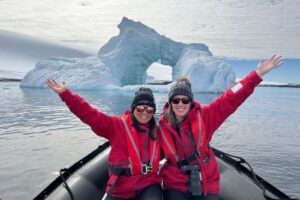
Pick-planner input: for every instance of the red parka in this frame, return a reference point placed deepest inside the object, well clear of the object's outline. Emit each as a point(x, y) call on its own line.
point(211, 117)
point(113, 129)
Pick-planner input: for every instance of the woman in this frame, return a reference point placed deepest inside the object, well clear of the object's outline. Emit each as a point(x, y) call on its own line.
point(135, 151)
point(191, 170)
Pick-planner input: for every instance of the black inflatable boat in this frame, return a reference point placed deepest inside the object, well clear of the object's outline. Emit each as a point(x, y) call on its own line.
point(86, 179)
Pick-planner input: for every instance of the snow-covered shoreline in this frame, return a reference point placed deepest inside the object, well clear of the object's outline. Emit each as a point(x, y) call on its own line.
point(291, 85)
point(263, 84)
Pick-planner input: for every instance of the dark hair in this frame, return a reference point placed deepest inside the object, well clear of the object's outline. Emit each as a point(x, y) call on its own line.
point(152, 126)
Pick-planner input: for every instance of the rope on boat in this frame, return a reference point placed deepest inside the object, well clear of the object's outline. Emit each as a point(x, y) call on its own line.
point(65, 184)
point(259, 183)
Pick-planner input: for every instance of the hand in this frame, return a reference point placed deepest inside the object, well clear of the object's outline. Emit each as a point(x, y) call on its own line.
point(266, 66)
point(56, 87)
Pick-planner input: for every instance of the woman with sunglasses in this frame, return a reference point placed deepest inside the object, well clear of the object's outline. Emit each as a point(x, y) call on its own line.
point(191, 170)
point(135, 150)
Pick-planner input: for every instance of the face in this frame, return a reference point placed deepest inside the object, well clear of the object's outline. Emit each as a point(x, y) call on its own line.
point(181, 105)
point(143, 113)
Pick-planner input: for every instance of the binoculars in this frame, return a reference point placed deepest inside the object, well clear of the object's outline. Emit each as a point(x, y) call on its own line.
point(194, 178)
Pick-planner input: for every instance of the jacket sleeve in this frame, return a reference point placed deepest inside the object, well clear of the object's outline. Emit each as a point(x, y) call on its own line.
point(99, 122)
point(217, 112)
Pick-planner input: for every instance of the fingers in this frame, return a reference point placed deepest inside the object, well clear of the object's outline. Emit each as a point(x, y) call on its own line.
point(278, 61)
point(49, 83)
point(53, 84)
point(265, 66)
point(278, 58)
point(273, 57)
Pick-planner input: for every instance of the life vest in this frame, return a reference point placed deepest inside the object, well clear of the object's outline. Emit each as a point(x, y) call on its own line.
point(136, 166)
point(199, 138)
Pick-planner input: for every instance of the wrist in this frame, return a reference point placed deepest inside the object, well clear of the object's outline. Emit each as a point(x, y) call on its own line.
point(259, 73)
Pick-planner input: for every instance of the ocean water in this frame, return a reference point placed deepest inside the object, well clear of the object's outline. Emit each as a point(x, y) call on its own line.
point(39, 136)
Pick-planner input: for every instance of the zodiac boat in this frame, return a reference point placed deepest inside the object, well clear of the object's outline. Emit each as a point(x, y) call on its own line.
point(86, 179)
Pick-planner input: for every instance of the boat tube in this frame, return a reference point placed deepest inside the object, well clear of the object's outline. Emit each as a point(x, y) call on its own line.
point(86, 179)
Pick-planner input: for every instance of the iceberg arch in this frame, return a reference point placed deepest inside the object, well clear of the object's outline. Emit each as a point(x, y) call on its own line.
point(125, 58)
point(137, 46)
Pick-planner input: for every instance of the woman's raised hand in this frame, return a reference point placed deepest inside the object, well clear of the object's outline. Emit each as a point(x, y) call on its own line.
point(56, 87)
point(265, 66)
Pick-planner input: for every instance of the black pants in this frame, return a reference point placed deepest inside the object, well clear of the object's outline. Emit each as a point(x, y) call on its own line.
point(153, 192)
point(177, 195)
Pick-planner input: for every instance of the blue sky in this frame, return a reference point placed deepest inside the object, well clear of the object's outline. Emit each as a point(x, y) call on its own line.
point(289, 72)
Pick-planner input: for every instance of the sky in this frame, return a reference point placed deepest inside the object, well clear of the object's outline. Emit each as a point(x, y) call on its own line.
point(289, 72)
point(251, 29)
point(231, 28)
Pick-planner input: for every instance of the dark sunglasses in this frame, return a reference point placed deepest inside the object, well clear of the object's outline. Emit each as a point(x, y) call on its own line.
point(142, 109)
point(183, 100)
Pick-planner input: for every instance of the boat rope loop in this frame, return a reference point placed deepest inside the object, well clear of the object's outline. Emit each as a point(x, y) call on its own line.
point(259, 183)
point(65, 184)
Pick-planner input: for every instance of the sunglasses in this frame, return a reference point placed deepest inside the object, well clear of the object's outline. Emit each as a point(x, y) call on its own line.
point(183, 100)
point(142, 109)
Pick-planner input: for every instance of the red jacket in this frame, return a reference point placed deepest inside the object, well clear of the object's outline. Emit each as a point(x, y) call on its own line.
point(113, 129)
point(212, 116)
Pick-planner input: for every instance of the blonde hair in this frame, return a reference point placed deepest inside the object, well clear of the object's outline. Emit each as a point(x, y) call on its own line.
point(171, 117)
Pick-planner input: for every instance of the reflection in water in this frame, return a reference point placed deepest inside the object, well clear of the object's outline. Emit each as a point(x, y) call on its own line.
point(39, 135)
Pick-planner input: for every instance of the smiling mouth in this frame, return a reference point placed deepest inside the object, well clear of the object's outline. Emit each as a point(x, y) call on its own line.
point(180, 109)
point(144, 117)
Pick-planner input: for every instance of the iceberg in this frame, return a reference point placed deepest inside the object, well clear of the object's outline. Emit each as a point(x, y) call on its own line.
point(88, 73)
point(123, 62)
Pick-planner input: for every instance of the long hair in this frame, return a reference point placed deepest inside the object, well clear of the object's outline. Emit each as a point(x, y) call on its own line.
point(171, 117)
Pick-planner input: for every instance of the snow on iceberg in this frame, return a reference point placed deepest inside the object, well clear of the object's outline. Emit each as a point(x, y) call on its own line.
point(125, 58)
point(88, 73)
point(207, 73)
point(130, 54)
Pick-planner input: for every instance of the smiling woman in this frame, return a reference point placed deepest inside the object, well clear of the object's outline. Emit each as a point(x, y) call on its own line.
point(133, 162)
point(186, 130)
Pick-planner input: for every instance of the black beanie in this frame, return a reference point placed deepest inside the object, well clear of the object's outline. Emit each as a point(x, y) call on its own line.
point(143, 96)
point(181, 87)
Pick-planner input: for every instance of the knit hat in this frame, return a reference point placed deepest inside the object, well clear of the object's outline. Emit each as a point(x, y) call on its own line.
point(143, 96)
point(181, 87)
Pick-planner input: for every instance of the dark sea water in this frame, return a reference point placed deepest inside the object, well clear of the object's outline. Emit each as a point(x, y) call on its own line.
point(39, 136)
